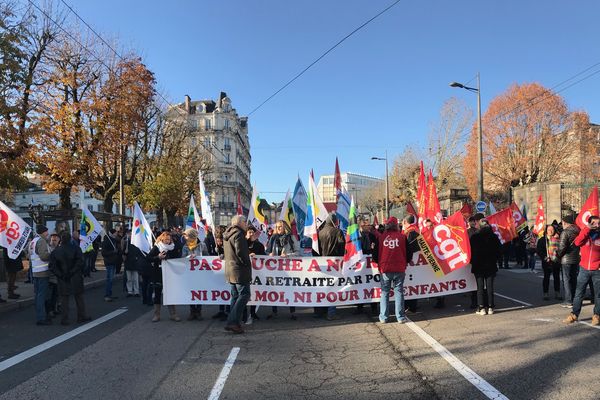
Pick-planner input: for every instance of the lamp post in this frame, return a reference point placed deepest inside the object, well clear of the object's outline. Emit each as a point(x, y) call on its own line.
point(479, 135)
point(387, 189)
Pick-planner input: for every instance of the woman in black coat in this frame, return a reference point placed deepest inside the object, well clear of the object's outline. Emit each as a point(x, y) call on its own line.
point(163, 249)
point(485, 250)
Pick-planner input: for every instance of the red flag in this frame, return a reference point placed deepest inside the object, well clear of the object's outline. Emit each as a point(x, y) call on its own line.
point(240, 210)
point(590, 208)
point(422, 198)
point(503, 225)
point(433, 211)
point(446, 247)
point(337, 181)
point(519, 218)
point(466, 210)
point(411, 209)
point(540, 218)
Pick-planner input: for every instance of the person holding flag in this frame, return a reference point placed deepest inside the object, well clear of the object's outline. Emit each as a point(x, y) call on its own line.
point(485, 250)
point(193, 248)
point(163, 249)
point(546, 249)
point(39, 256)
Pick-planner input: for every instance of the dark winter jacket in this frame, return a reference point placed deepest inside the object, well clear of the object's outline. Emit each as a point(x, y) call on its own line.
point(66, 263)
point(542, 252)
point(12, 266)
point(238, 268)
point(110, 251)
point(155, 261)
point(589, 241)
point(256, 247)
point(485, 250)
point(331, 240)
point(135, 260)
point(568, 252)
point(210, 243)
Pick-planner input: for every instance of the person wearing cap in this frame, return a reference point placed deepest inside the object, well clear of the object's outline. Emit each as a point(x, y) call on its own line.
point(39, 256)
point(568, 253)
point(393, 257)
point(589, 269)
point(192, 248)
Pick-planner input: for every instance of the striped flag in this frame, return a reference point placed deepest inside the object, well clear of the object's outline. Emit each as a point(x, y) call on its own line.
point(299, 200)
point(193, 219)
point(311, 225)
point(205, 204)
point(287, 213)
point(353, 253)
point(256, 217)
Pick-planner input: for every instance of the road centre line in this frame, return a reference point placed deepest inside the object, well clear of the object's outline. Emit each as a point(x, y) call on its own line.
point(515, 300)
point(220, 383)
point(481, 384)
point(58, 340)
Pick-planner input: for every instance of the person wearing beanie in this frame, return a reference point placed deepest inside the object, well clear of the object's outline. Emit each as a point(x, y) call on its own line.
point(39, 255)
point(568, 254)
point(192, 248)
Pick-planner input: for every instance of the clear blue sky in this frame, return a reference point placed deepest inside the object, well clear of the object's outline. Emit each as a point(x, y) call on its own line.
point(381, 89)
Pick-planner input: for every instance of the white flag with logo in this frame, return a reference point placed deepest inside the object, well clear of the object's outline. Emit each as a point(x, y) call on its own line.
point(13, 232)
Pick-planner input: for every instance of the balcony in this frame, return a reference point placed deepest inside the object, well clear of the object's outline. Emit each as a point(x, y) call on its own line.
point(226, 147)
point(225, 205)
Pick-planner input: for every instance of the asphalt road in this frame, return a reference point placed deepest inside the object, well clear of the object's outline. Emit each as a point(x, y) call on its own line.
point(521, 352)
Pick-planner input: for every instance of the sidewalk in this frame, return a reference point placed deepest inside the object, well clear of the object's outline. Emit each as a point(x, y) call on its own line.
point(27, 294)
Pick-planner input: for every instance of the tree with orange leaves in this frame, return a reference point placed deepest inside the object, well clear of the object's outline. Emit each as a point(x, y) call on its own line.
point(524, 139)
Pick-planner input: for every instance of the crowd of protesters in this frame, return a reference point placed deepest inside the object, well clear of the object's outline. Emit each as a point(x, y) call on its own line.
point(569, 255)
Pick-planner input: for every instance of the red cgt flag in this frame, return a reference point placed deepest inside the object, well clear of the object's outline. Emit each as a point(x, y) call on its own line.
point(503, 225)
point(590, 208)
point(433, 211)
point(540, 218)
point(446, 247)
point(520, 221)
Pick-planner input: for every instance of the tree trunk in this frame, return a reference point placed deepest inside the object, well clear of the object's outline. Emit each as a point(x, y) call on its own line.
point(108, 204)
point(160, 220)
point(171, 217)
point(65, 198)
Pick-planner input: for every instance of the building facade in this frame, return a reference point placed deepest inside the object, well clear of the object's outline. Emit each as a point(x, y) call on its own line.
point(355, 185)
point(214, 127)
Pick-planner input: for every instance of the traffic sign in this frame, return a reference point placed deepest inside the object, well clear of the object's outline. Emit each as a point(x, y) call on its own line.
point(480, 206)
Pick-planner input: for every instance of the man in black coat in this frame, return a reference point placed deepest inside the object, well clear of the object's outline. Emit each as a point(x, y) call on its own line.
point(332, 243)
point(66, 262)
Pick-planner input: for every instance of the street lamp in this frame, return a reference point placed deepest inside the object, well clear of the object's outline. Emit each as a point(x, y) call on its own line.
point(387, 190)
point(479, 135)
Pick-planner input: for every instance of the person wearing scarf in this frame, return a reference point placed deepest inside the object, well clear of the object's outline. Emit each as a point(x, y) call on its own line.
point(547, 249)
point(283, 244)
point(163, 249)
point(193, 248)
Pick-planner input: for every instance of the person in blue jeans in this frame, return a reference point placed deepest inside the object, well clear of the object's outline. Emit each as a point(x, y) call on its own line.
point(568, 253)
point(393, 255)
point(589, 269)
point(111, 255)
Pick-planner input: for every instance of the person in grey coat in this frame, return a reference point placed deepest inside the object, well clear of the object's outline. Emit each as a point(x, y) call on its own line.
point(238, 271)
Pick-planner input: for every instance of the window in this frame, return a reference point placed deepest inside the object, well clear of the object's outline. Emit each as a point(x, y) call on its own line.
point(90, 207)
point(207, 142)
point(227, 158)
point(207, 124)
point(226, 144)
point(226, 124)
point(194, 123)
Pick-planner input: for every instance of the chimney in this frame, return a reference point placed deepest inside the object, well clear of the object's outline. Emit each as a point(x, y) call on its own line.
point(187, 103)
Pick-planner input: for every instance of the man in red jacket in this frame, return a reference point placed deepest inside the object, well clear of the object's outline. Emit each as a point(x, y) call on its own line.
point(393, 254)
point(589, 269)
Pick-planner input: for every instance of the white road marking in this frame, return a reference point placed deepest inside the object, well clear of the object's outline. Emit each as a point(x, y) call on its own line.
point(484, 387)
point(515, 300)
point(220, 383)
point(544, 319)
point(58, 340)
point(590, 325)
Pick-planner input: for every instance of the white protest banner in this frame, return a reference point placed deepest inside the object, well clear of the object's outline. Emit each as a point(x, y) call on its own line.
point(302, 281)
